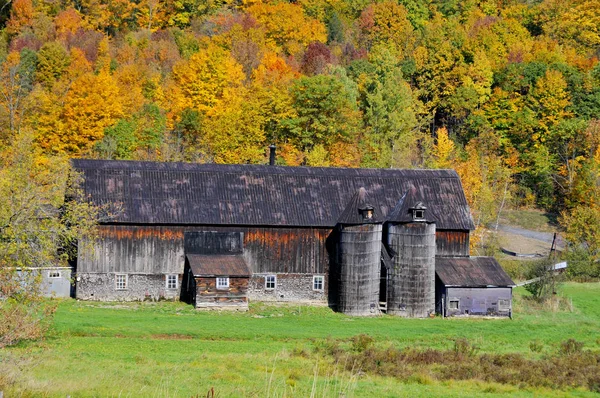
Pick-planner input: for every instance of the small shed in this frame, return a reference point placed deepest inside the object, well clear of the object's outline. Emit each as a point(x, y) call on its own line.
point(54, 281)
point(472, 286)
point(218, 281)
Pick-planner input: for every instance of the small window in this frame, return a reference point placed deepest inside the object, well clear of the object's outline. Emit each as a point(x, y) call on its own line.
point(453, 304)
point(171, 282)
point(222, 283)
point(419, 214)
point(503, 305)
point(270, 282)
point(121, 281)
point(318, 282)
point(53, 274)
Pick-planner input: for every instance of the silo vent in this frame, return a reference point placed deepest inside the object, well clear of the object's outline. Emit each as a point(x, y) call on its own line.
point(367, 212)
point(418, 211)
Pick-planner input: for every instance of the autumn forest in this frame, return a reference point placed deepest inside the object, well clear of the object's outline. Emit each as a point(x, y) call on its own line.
point(507, 92)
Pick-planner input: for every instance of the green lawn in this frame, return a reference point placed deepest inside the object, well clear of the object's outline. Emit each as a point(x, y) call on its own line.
point(170, 349)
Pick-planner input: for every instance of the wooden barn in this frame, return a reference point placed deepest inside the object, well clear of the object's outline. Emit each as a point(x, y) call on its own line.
point(285, 217)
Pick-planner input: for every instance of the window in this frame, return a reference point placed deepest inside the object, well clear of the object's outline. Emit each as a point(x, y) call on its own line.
point(453, 304)
point(270, 282)
point(419, 214)
point(53, 274)
point(121, 281)
point(222, 283)
point(171, 281)
point(318, 282)
point(503, 305)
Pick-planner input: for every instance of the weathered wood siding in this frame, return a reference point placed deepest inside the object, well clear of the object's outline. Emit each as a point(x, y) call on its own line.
point(452, 243)
point(208, 296)
point(359, 259)
point(131, 249)
point(481, 301)
point(160, 249)
point(411, 279)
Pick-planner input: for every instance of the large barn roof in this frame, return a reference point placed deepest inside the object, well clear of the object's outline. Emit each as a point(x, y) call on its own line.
point(213, 194)
point(471, 272)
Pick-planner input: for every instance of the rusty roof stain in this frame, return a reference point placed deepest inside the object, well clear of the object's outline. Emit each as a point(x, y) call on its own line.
point(471, 272)
point(215, 194)
point(232, 265)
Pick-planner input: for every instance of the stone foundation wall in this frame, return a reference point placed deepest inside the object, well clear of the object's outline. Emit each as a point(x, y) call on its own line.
point(289, 288)
point(102, 287)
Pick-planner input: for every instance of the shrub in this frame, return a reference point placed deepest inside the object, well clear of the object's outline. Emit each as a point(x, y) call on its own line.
point(570, 346)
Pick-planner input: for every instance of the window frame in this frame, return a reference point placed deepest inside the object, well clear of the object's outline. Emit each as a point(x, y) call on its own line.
point(320, 278)
point(124, 283)
point(54, 274)
point(267, 282)
point(176, 279)
point(454, 300)
point(504, 307)
point(219, 282)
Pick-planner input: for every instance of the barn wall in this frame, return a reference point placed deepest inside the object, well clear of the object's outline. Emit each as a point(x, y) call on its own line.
point(141, 250)
point(208, 296)
point(451, 243)
point(478, 301)
point(159, 249)
point(289, 287)
point(102, 287)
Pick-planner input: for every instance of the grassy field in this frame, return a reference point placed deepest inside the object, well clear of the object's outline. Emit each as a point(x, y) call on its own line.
point(535, 220)
point(171, 350)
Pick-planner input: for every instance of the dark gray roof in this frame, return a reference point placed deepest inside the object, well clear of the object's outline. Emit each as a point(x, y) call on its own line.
point(352, 214)
point(188, 193)
point(218, 265)
point(471, 272)
point(411, 199)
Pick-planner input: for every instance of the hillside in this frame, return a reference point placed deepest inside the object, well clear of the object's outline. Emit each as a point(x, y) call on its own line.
point(505, 92)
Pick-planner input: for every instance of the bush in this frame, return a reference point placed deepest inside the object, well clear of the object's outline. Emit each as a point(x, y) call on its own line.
point(548, 281)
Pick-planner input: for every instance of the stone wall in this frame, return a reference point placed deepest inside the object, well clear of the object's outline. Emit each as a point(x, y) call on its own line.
point(289, 288)
point(102, 287)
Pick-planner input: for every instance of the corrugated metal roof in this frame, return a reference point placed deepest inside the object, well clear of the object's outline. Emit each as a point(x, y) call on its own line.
point(218, 265)
point(471, 272)
point(188, 193)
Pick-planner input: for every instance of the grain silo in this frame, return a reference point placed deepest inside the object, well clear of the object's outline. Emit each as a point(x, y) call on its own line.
point(359, 257)
point(411, 278)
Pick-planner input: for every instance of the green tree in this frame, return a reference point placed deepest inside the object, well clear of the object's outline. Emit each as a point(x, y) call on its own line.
point(326, 112)
point(38, 228)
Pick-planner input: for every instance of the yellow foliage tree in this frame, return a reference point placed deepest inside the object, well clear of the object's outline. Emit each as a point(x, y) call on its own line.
point(202, 82)
point(387, 23)
point(288, 29)
point(234, 130)
point(550, 100)
point(443, 150)
point(92, 104)
point(21, 15)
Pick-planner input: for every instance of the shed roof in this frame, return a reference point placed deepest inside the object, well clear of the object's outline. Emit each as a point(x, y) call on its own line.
point(218, 265)
point(214, 194)
point(471, 272)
